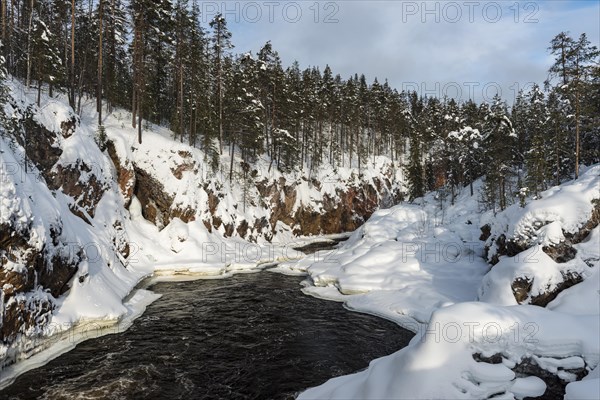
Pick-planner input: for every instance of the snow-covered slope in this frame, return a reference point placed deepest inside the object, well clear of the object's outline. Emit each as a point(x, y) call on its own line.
point(405, 262)
point(174, 180)
point(61, 227)
point(81, 227)
point(410, 265)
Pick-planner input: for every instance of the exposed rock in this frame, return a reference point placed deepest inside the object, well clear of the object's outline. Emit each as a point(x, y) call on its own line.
point(555, 386)
point(569, 279)
point(156, 203)
point(213, 201)
point(242, 228)
point(186, 215)
point(507, 247)
point(228, 230)
point(181, 168)
point(41, 272)
point(345, 211)
point(68, 180)
point(561, 252)
point(126, 178)
point(486, 232)
point(585, 230)
point(121, 240)
point(23, 314)
point(40, 145)
point(521, 288)
point(56, 279)
point(68, 127)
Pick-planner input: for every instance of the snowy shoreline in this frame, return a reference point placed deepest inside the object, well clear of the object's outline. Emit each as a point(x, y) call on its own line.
point(64, 340)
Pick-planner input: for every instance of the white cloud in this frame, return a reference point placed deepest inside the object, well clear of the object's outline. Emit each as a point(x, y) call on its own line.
point(388, 39)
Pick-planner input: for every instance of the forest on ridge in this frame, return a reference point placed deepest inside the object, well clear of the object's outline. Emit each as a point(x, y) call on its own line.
point(156, 59)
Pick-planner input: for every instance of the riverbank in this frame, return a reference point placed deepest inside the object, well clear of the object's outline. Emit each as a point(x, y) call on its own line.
point(68, 336)
point(246, 337)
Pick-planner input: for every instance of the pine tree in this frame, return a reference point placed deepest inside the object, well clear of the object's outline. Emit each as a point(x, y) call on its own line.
point(152, 21)
point(46, 60)
point(536, 156)
point(574, 63)
point(501, 155)
point(116, 67)
point(414, 170)
point(221, 43)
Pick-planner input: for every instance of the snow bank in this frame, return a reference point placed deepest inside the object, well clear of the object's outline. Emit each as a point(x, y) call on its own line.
point(586, 389)
point(465, 349)
point(563, 208)
point(404, 263)
point(439, 362)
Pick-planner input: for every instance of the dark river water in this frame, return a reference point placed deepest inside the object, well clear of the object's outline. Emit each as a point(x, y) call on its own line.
point(251, 336)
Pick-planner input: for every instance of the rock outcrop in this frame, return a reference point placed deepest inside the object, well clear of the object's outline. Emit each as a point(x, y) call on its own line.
point(556, 381)
point(562, 252)
point(346, 209)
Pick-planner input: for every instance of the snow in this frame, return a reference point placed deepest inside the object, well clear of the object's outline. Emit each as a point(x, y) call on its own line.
point(586, 389)
point(566, 207)
point(535, 266)
point(420, 265)
point(581, 299)
point(438, 362)
point(391, 268)
point(403, 263)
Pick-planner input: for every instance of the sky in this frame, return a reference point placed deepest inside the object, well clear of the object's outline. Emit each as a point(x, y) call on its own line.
point(462, 49)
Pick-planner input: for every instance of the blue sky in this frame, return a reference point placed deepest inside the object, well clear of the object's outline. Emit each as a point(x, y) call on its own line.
point(459, 48)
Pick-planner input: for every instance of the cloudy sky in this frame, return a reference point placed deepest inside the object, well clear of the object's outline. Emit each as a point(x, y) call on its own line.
point(458, 48)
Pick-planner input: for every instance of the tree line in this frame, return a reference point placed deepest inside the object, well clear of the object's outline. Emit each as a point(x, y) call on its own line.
point(154, 58)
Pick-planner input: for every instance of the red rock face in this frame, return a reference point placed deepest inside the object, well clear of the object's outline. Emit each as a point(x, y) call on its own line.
point(345, 212)
point(42, 272)
point(125, 174)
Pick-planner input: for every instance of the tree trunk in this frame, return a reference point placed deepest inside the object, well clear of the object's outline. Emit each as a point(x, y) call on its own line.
point(99, 87)
point(220, 88)
point(39, 91)
point(72, 74)
point(577, 112)
point(133, 107)
point(231, 161)
point(139, 123)
point(180, 111)
point(28, 81)
point(4, 22)
point(557, 149)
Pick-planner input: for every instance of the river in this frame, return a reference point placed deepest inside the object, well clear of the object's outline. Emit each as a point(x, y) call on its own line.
point(251, 336)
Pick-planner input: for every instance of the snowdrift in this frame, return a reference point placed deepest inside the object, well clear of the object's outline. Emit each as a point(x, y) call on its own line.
point(474, 344)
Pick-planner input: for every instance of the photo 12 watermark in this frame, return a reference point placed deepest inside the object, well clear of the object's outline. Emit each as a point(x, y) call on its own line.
point(480, 332)
point(470, 11)
point(468, 90)
point(272, 11)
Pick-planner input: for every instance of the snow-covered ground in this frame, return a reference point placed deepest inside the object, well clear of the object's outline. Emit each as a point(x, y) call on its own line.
point(404, 263)
point(429, 275)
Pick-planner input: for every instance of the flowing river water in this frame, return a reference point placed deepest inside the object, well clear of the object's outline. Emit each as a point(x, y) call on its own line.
point(251, 336)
